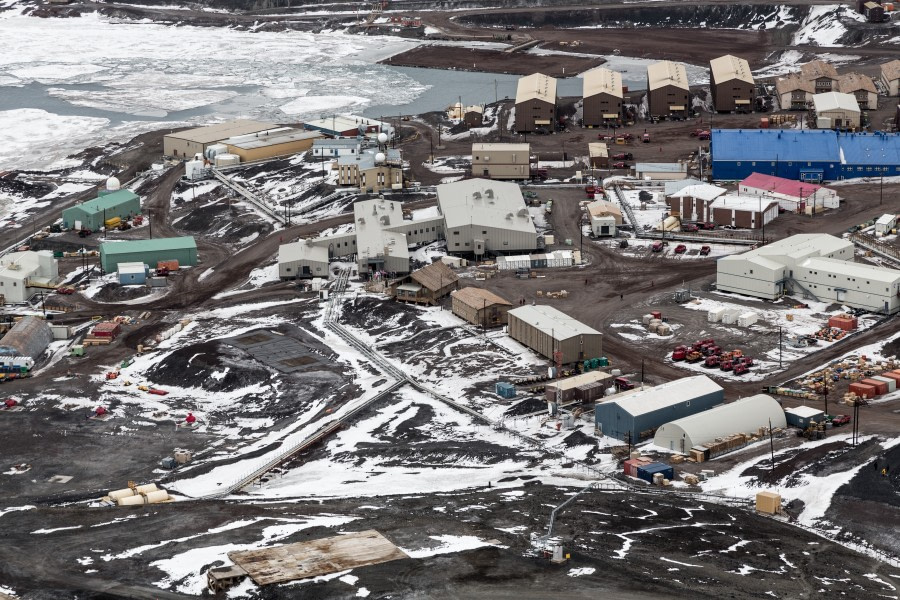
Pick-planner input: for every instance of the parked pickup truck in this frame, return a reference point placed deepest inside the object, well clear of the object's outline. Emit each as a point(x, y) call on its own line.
point(690, 227)
point(705, 250)
point(623, 156)
point(840, 420)
point(701, 134)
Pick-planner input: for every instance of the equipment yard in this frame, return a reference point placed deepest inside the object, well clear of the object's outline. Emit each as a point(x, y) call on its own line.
point(259, 378)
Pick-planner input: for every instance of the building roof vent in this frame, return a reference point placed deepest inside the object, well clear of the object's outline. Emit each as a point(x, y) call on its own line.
point(509, 216)
point(476, 195)
point(489, 193)
point(523, 212)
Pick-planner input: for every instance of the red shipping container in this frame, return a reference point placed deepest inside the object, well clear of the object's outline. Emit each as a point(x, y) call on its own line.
point(862, 390)
point(656, 314)
point(632, 464)
point(880, 386)
point(171, 265)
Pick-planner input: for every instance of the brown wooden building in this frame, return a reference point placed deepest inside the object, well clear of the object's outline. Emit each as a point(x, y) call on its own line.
point(862, 88)
point(732, 85)
point(667, 89)
point(480, 307)
point(427, 285)
point(536, 104)
point(602, 93)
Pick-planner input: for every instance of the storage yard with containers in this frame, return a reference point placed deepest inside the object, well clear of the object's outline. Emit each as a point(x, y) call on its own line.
point(332, 355)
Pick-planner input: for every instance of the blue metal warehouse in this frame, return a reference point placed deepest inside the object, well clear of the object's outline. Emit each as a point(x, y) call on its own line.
point(806, 155)
point(640, 412)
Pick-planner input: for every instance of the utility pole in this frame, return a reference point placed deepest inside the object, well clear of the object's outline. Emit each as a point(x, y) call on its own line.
point(825, 381)
point(780, 346)
point(771, 446)
point(881, 189)
point(496, 98)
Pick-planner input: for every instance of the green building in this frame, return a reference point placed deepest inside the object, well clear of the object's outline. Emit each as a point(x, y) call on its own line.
point(182, 249)
point(91, 214)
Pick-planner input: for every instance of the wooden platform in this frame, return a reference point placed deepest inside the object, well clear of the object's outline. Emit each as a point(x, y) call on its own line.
point(318, 557)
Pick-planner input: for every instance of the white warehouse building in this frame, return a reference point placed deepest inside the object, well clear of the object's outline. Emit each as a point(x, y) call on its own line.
point(742, 416)
point(24, 274)
point(817, 265)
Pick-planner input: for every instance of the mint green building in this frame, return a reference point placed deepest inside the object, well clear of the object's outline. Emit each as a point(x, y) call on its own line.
point(93, 213)
point(182, 249)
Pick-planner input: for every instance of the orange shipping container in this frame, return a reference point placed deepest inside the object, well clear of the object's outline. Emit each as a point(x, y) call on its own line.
point(171, 265)
point(880, 386)
point(862, 390)
point(847, 324)
point(892, 375)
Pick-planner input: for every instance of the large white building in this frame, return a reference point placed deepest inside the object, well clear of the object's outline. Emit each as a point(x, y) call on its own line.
point(24, 274)
point(816, 265)
point(742, 416)
point(476, 216)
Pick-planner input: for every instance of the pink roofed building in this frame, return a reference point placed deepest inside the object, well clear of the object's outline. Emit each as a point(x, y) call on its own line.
point(791, 195)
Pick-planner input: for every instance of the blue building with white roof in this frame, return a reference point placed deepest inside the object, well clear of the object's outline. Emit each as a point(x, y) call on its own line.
point(805, 155)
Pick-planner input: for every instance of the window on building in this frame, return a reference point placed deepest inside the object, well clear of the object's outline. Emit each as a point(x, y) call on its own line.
point(456, 244)
point(455, 233)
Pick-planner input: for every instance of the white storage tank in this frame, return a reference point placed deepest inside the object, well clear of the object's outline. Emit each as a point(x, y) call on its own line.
point(157, 496)
point(119, 494)
point(146, 489)
point(193, 169)
point(715, 315)
point(747, 319)
point(227, 160)
point(131, 501)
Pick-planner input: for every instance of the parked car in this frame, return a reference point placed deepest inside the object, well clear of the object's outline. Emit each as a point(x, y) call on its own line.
point(619, 165)
point(645, 138)
point(701, 134)
point(680, 249)
point(690, 227)
point(708, 226)
point(624, 156)
point(705, 250)
point(657, 246)
point(840, 420)
point(66, 290)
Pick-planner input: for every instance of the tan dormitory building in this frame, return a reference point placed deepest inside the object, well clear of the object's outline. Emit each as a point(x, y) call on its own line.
point(598, 154)
point(732, 85)
point(480, 307)
point(860, 87)
point(602, 97)
point(535, 103)
point(185, 144)
point(890, 77)
point(794, 92)
point(271, 144)
point(501, 161)
point(822, 74)
point(547, 330)
point(668, 92)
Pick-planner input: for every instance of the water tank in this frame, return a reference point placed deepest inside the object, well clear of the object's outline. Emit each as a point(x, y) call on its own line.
point(131, 501)
point(146, 489)
point(669, 224)
point(616, 372)
point(112, 184)
point(157, 496)
point(379, 158)
point(382, 138)
point(192, 168)
point(118, 494)
point(227, 160)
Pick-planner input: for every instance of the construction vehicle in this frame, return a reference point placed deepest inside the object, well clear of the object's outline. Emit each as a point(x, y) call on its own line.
point(693, 356)
point(84, 232)
point(740, 369)
point(645, 138)
point(711, 361)
point(680, 353)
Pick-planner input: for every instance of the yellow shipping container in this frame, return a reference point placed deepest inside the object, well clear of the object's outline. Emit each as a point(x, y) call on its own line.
point(114, 222)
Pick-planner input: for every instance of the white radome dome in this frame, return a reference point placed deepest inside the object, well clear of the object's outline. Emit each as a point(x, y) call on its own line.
point(379, 158)
point(382, 138)
point(112, 184)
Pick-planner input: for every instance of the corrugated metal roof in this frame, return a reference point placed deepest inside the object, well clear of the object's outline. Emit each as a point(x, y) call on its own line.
point(672, 187)
point(848, 268)
point(263, 141)
point(221, 131)
point(536, 86)
point(728, 67)
point(552, 321)
point(746, 203)
point(132, 267)
point(746, 415)
point(107, 202)
point(602, 208)
point(660, 167)
point(835, 101)
point(869, 149)
point(127, 246)
point(435, 276)
point(770, 145)
point(29, 337)
point(474, 297)
point(484, 202)
point(673, 392)
point(780, 185)
point(602, 81)
point(569, 383)
point(666, 72)
point(891, 70)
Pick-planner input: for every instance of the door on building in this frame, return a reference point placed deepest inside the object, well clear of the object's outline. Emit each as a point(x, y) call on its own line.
point(306, 270)
point(487, 173)
point(840, 295)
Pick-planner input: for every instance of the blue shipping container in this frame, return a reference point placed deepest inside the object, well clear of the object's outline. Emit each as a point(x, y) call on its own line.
point(505, 390)
point(648, 471)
